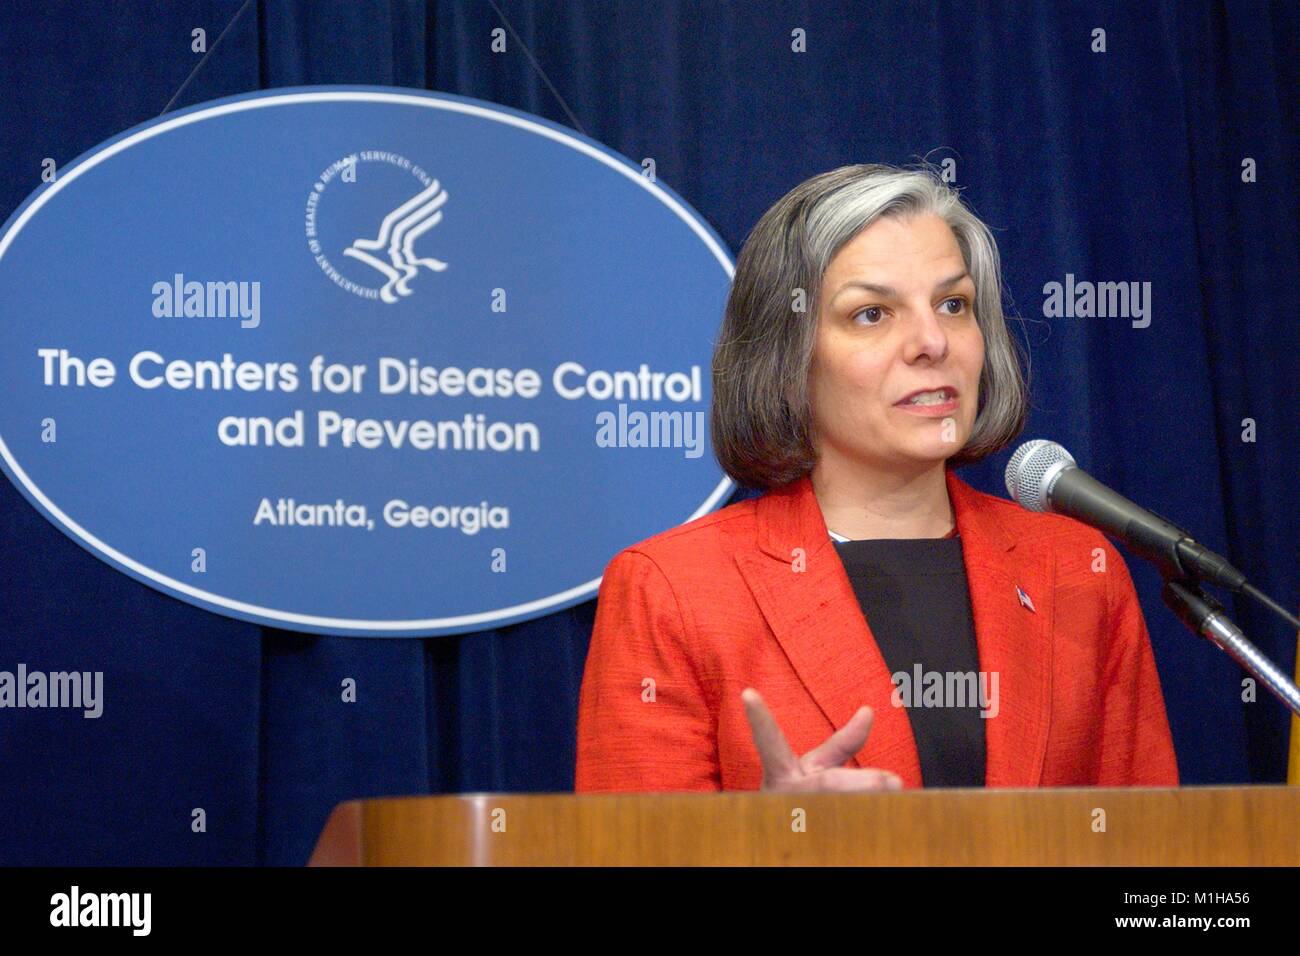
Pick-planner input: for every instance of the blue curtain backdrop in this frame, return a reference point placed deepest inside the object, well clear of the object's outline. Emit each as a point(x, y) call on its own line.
point(1117, 166)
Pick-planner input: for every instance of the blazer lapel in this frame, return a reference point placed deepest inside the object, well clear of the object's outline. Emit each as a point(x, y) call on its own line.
point(1015, 642)
point(805, 596)
point(815, 617)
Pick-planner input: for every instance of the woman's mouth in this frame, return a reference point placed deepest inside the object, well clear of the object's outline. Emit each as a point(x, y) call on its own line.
point(930, 404)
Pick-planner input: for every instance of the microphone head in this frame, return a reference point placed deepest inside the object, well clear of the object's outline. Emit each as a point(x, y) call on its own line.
point(1031, 469)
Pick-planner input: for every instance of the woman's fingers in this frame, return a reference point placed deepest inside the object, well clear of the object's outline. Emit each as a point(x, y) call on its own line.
point(779, 761)
point(849, 780)
point(837, 749)
point(821, 768)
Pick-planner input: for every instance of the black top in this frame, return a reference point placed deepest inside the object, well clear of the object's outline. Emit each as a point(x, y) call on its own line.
point(914, 596)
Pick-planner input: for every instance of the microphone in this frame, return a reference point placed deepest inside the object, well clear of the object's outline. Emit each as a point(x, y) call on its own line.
point(1043, 476)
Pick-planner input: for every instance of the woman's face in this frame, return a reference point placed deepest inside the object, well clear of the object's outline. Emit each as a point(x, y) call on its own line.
point(897, 315)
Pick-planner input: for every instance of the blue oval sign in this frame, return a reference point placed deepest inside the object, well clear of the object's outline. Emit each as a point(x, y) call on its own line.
point(360, 360)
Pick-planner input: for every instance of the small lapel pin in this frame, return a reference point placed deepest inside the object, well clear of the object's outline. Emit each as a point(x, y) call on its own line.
point(1024, 599)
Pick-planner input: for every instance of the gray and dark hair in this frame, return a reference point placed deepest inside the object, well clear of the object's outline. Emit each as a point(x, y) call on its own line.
point(761, 416)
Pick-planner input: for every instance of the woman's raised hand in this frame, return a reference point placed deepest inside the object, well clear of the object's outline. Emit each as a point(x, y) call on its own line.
point(821, 768)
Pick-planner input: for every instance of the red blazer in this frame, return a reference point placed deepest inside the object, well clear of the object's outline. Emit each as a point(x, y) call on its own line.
point(715, 605)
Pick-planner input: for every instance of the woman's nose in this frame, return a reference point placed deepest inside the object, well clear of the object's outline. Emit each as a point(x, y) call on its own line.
point(925, 335)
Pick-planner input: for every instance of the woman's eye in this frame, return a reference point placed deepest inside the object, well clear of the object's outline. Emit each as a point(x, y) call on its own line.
point(960, 303)
point(871, 312)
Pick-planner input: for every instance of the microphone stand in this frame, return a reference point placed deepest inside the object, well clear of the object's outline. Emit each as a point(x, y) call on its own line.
point(1204, 616)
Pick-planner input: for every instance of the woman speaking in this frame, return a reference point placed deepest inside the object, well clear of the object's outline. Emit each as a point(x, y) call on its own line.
point(871, 621)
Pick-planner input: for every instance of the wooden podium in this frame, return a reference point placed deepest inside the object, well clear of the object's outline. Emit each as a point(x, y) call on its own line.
point(1187, 826)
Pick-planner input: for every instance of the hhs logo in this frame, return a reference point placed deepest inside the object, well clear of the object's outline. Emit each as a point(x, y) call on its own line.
point(363, 207)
